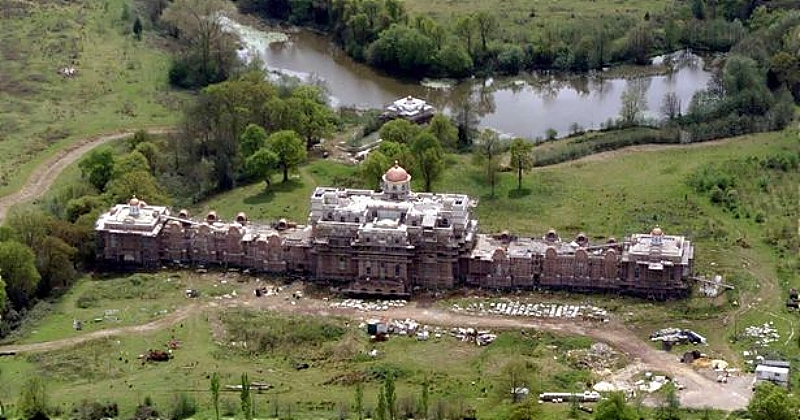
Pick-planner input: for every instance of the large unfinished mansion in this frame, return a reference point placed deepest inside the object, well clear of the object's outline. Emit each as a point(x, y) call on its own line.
point(394, 242)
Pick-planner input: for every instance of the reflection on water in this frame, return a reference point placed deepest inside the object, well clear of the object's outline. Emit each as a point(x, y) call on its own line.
point(521, 107)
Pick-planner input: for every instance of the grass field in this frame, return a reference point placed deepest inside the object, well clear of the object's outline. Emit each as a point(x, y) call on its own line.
point(521, 16)
point(462, 375)
point(120, 83)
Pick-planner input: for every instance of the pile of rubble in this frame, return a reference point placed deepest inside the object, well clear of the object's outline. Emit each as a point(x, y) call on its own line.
point(763, 334)
point(481, 338)
point(651, 383)
point(369, 306)
point(540, 310)
point(600, 357)
point(408, 327)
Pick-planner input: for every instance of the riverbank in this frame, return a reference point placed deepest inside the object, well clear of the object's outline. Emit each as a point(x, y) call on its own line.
point(544, 101)
point(70, 71)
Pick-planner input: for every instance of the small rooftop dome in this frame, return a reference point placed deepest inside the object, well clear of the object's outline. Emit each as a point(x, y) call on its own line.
point(134, 201)
point(657, 231)
point(396, 173)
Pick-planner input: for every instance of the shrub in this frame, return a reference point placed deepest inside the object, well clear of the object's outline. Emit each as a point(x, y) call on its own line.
point(183, 407)
point(93, 410)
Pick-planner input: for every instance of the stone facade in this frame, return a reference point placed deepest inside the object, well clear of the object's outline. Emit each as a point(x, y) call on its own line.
point(394, 242)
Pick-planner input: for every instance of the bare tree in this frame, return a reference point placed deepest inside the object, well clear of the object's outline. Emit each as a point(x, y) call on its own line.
point(487, 154)
point(670, 106)
point(634, 101)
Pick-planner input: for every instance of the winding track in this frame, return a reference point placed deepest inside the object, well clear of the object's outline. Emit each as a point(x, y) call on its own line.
point(42, 178)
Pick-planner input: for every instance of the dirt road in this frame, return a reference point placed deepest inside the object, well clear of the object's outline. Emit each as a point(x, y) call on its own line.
point(161, 323)
point(45, 174)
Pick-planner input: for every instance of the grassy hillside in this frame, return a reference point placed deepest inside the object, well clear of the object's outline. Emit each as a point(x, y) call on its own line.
point(119, 82)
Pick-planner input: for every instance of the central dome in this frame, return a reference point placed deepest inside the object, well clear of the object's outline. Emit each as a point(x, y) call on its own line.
point(396, 174)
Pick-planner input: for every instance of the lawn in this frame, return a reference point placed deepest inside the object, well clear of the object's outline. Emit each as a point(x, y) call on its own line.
point(282, 199)
point(119, 82)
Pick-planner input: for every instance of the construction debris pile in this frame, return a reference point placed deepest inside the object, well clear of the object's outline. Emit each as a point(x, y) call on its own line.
point(762, 334)
point(677, 336)
point(539, 310)
point(369, 306)
point(752, 358)
point(379, 329)
point(481, 338)
point(600, 358)
point(649, 384)
point(266, 291)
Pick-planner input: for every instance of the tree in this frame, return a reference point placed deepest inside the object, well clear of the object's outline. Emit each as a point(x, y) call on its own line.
point(698, 9)
point(466, 121)
point(487, 154)
point(3, 299)
point(639, 42)
point(137, 28)
point(670, 106)
point(634, 101)
point(670, 405)
point(486, 24)
point(97, 167)
point(402, 49)
point(252, 139)
point(614, 408)
point(373, 167)
point(521, 151)
point(429, 159)
point(246, 398)
point(55, 263)
point(33, 400)
point(18, 265)
point(391, 397)
point(528, 410)
point(215, 394)
point(465, 28)
point(359, 403)
point(394, 152)
point(313, 119)
point(380, 410)
point(289, 148)
point(770, 402)
point(424, 399)
point(262, 164)
point(130, 162)
point(443, 129)
point(399, 131)
point(142, 184)
point(209, 48)
point(454, 60)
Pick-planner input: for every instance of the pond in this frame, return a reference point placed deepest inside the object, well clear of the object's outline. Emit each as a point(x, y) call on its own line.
point(518, 106)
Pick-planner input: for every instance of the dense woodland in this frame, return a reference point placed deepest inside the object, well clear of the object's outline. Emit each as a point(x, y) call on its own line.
point(383, 34)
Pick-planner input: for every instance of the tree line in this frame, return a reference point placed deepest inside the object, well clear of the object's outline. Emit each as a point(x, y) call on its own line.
point(383, 34)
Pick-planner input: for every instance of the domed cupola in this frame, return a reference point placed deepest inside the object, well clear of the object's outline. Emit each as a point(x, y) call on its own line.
point(397, 182)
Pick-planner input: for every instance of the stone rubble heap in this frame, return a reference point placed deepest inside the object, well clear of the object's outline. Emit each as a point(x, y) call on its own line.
point(539, 310)
point(763, 334)
point(369, 306)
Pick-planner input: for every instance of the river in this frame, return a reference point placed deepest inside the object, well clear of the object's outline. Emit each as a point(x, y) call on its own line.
point(522, 106)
